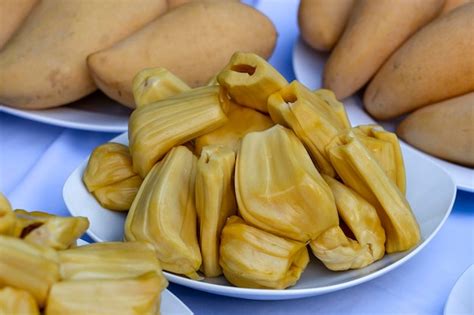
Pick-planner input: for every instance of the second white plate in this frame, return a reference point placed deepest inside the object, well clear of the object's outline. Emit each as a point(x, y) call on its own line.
point(431, 193)
point(461, 298)
point(308, 65)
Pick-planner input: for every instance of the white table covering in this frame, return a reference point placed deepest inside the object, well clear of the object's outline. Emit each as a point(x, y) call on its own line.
point(36, 159)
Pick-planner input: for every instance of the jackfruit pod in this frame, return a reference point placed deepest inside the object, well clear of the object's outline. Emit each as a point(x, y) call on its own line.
point(110, 260)
point(15, 301)
point(7, 217)
point(253, 258)
point(312, 119)
point(27, 266)
point(359, 170)
point(164, 213)
point(330, 99)
point(385, 148)
point(156, 128)
point(49, 230)
point(155, 84)
point(339, 252)
point(279, 190)
point(109, 176)
point(241, 120)
point(250, 79)
point(119, 196)
point(108, 164)
point(215, 202)
point(136, 295)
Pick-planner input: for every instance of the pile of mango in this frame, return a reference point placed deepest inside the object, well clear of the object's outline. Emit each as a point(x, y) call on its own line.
point(407, 57)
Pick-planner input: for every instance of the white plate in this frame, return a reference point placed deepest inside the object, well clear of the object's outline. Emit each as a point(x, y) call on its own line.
point(308, 65)
point(170, 304)
point(461, 298)
point(431, 193)
point(95, 112)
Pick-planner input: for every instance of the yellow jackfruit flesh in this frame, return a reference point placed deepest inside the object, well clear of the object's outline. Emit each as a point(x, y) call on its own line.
point(215, 202)
point(108, 164)
point(156, 84)
point(109, 176)
point(135, 295)
point(164, 213)
point(242, 120)
point(278, 188)
point(15, 301)
point(156, 128)
point(359, 169)
point(329, 98)
point(312, 118)
point(250, 79)
point(7, 217)
point(110, 260)
point(27, 266)
point(119, 196)
point(334, 248)
point(385, 147)
point(253, 258)
point(49, 230)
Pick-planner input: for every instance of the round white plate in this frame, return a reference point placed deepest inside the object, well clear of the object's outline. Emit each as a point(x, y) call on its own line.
point(430, 191)
point(308, 65)
point(95, 112)
point(170, 304)
point(461, 298)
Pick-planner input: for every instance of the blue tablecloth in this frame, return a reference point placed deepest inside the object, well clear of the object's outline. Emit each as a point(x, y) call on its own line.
point(36, 159)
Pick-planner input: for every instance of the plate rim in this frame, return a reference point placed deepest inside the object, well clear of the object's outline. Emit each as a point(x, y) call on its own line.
point(449, 301)
point(33, 116)
point(300, 44)
point(270, 294)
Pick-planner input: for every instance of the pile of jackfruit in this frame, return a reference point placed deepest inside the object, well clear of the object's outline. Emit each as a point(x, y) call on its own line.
point(242, 177)
point(41, 268)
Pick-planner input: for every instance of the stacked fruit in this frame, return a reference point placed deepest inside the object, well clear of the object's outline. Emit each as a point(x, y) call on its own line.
point(229, 190)
point(60, 51)
point(411, 56)
point(42, 268)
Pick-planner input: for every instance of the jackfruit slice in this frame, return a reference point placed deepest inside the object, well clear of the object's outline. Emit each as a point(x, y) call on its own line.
point(156, 128)
point(49, 230)
point(278, 188)
point(164, 213)
point(119, 196)
point(359, 169)
point(314, 120)
point(30, 267)
point(155, 84)
point(109, 260)
point(109, 176)
point(242, 120)
point(253, 258)
point(136, 295)
point(15, 301)
point(330, 99)
point(250, 79)
point(385, 147)
point(339, 252)
point(7, 217)
point(215, 202)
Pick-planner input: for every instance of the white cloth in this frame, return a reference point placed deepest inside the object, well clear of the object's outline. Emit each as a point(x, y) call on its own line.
point(36, 159)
